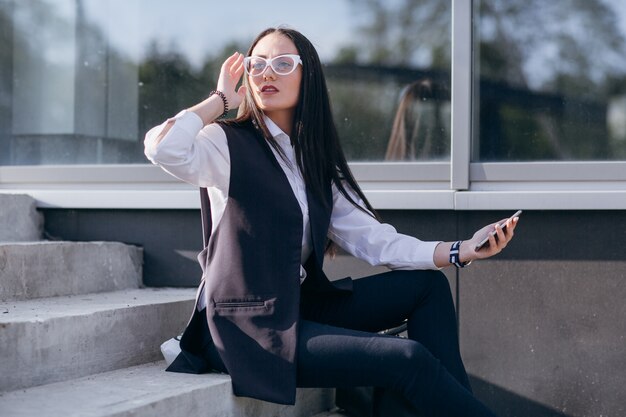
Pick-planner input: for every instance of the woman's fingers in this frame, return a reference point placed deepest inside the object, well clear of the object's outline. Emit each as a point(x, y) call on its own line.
point(498, 236)
point(230, 74)
point(229, 61)
point(501, 238)
point(234, 63)
point(505, 232)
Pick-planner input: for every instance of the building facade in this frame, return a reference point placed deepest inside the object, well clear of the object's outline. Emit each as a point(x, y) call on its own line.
point(453, 114)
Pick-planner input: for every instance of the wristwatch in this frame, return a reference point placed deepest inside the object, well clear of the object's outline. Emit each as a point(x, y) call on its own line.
point(454, 255)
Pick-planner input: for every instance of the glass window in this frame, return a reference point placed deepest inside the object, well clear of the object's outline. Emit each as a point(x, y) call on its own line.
point(550, 80)
point(81, 81)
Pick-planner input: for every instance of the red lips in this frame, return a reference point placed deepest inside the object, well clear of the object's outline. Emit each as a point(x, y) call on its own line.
point(269, 89)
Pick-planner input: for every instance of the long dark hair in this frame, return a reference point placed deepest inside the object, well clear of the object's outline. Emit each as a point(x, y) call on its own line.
point(313, 134)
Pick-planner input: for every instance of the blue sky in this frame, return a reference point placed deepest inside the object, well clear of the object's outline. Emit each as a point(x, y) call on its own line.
point(196, 27)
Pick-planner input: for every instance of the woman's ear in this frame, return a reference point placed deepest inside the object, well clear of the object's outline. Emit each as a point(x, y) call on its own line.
point(242, 91)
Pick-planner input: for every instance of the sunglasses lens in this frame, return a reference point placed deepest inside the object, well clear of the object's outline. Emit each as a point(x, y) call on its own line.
point(256, 66)
point(283, 65)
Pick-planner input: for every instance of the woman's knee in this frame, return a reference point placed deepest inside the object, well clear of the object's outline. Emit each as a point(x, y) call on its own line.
point(440, 281)
point(433, 280)
point(418, 360)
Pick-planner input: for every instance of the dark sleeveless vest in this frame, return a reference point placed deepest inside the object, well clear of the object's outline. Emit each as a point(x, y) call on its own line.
point(251, 270)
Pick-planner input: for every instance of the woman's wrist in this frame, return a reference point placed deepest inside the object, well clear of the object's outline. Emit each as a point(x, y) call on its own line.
point(209, 110)
point(222, 96)
point(466, 253)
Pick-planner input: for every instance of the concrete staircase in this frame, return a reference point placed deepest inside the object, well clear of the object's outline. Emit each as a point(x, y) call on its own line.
point(79, 336)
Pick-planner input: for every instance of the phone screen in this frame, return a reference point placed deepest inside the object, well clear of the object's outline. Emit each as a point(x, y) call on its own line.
point(485, 242)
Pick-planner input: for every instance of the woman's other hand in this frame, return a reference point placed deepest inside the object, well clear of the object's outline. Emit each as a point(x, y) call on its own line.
point(504, 231)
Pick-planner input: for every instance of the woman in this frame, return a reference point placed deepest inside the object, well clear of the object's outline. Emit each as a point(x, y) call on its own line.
point(279, 188)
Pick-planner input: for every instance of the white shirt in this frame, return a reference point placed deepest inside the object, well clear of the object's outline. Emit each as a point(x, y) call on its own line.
point(199, 156)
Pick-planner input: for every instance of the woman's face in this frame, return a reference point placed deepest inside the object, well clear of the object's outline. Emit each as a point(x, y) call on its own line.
point(273, 92)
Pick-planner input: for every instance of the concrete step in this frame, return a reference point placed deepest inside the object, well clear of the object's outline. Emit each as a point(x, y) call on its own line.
point(60, 338)
point(148, 391)
point(19, 218)
point(333, 413)
point(49, 269)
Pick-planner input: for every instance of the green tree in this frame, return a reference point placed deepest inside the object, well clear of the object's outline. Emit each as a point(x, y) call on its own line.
point(557, 59)
point(403, 33)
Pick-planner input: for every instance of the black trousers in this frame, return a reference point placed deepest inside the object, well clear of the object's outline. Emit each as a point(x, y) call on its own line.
point(339, 346)
point(338, 343)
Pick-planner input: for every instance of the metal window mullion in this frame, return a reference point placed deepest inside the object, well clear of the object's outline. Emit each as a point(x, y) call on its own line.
point(461, 93)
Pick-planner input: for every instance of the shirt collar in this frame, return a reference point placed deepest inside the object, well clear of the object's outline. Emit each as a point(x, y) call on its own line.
point(276, 132)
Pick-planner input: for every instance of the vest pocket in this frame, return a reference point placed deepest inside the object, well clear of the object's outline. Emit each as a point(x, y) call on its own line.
point(252, 306)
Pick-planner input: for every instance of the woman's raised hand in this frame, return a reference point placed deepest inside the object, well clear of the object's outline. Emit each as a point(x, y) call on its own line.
point(230, 74)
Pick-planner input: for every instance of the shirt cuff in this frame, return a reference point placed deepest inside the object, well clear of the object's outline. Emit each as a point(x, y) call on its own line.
point(431, 246)
point(188, 121)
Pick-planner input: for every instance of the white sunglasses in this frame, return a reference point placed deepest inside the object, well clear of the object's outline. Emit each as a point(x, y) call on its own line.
point(281, 65)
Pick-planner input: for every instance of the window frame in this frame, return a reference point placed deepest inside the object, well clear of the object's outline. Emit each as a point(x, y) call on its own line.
point(455, 185)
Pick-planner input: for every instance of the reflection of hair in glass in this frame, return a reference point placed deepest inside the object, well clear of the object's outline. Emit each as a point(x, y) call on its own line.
point(422, 124)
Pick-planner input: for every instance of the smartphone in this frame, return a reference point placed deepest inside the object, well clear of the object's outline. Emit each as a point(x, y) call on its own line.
point(485, 242)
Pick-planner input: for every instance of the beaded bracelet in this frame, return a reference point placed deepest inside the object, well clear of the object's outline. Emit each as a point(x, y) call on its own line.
point(223, 97)
point(454, 255)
